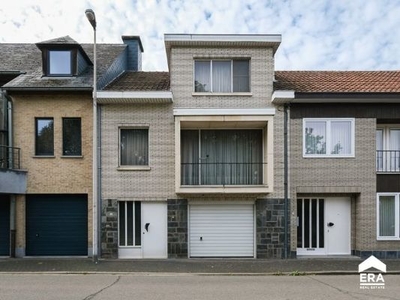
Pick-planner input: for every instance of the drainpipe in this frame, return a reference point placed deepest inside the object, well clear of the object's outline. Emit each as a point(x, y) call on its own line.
point(286, 179)
point(11, 163)
point(99, 207)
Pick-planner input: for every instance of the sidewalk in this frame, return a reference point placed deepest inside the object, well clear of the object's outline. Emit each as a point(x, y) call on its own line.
point(193, 266)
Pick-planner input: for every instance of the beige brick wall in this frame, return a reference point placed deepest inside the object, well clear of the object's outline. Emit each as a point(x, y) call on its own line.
point(341, 174)
point(54, 175)
point(261, 77)
point(154, 184)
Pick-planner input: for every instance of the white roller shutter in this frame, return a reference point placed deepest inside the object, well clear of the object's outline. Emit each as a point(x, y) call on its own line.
point(221, 230)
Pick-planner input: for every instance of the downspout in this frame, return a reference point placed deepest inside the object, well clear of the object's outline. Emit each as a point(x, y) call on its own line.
point(286, 179)
point(11, 162)
point(99, 207)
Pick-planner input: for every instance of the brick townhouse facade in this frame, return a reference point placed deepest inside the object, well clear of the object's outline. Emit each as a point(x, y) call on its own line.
point(221, 156)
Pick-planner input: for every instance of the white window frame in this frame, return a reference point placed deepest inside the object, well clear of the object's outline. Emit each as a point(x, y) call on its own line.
point(231, 60)
point(396, 236)
point(133, 167)
point(328, 137)
point(126, 226)
point(386, 159)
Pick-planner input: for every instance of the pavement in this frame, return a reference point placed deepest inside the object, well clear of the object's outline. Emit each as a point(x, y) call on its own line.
point(295, 267)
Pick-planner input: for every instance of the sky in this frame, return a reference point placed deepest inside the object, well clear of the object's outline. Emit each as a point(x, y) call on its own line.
point(316, 34)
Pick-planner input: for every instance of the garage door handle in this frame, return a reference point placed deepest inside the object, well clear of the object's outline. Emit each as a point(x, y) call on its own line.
point(37, 234)
point(201, 238)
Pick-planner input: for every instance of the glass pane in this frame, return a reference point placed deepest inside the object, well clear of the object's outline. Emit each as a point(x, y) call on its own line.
point(387, 215)
point(300, 223)
point(189, 157)
point(315, 134)
point(138, 223)
point(341, 137)
point(321, 223)
point(60, 62)
point(394, 147)
point(306, 223)
point(241, 73)
point(72, 136)
point(231, 157)
point(314, 223)
point(129, 222)
point(221, 76)
point(121, 223)
point(202, 76)
point(44, 137)
point(380, 154)
point(134, 147)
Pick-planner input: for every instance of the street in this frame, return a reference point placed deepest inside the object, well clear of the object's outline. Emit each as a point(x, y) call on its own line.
point(188, 286)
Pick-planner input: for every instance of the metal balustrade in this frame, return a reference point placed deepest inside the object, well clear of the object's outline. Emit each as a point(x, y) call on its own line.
point(388, 161)
point(222, 173)
point(10, 157)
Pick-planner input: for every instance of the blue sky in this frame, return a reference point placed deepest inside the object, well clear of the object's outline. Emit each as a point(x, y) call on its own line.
point(316, 34)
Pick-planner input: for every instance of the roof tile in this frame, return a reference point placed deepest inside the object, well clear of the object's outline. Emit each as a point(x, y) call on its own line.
point(141, 81)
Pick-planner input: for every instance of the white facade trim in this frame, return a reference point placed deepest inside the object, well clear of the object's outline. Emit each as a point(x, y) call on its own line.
point(280, 97)
point(274, 38)
point(223, 112)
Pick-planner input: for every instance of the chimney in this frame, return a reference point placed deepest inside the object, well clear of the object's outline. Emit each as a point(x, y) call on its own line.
point(135, 50)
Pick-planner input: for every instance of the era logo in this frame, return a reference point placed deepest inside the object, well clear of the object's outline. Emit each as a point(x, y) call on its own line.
point(372, 280)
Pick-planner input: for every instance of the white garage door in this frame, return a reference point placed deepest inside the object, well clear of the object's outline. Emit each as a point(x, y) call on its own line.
point(221, 230)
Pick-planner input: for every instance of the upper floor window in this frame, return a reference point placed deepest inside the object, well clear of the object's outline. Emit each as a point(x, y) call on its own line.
point(388, 216)
point(328, 138)
point(59, 63)
point(388, 148)
point(72, 141)
point(222, 157)
point(222, 76)
point(134, 147)
point(44, 136)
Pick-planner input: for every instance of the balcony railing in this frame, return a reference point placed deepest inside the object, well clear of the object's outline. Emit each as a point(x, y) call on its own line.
point(10, 157)
point(222, 173)
point(388, 161)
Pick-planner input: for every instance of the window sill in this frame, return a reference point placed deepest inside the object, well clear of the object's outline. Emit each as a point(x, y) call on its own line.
point(72, 156)
point(385, 239)
point(245, 94)
point(134, 168)
point(43, 156)
point(327, 156)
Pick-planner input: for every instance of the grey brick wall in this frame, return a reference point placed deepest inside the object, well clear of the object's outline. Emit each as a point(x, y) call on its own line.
point(109, 229)
point(338, 175)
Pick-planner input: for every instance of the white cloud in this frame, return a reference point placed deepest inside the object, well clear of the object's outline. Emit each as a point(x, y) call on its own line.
point(316, 35)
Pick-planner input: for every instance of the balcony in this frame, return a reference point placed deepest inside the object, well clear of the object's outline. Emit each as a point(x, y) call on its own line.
point(388, 161)
point(10, 158)
point(222, 174)
point(13, 180)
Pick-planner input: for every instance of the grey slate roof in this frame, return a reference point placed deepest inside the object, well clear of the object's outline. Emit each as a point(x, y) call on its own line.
point(141, 81)
point(27, 58)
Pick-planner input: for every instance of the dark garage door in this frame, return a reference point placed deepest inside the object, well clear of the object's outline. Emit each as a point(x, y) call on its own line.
point(56, 225)
point(4, 226)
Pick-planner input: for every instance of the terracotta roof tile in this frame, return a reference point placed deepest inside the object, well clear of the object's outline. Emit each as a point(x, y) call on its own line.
point(140, 81)
point(338, 81)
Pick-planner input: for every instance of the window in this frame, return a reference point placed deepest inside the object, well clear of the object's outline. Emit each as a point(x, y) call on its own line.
point(221, 76)
point(388, 216)
point(134, 147)
point(328, 138)
point(222, 157)
point(44, 136)
point(72, 140)
point(388, 149)
point(129, 223)
point(59, 63)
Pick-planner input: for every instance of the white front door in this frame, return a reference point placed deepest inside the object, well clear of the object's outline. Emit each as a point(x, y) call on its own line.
point(154, 230)
point(142, 229)
point(324, 226)
point(337, 226)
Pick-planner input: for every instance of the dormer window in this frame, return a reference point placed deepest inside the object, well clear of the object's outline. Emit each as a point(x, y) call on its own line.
point(59, 63)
